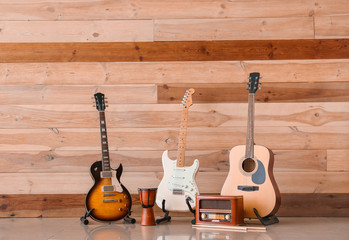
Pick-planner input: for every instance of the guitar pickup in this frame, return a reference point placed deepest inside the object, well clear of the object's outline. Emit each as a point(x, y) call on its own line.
point(106, 174)
point(109, 200)
point(177, 192)
point(248, 188)
point(108, 188)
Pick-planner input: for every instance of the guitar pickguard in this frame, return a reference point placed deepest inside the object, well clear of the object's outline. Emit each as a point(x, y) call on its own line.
point(177, 185)
point(181, 180)
point(259, 176)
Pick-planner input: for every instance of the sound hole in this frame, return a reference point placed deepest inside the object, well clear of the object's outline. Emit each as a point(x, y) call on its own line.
point(248, 165)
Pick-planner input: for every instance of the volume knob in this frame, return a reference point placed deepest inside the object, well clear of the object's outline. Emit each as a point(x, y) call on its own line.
point(227, 217)
point(203, 215)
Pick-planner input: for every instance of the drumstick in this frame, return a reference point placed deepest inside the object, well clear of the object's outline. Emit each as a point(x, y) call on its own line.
point(232, 228)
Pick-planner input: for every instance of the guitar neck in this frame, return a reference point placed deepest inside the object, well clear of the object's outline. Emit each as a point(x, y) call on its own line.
point(182, 138)
point(104, 142)
point(250, 127)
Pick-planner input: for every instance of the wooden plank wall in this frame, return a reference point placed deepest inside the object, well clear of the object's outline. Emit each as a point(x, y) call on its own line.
point(54, 55)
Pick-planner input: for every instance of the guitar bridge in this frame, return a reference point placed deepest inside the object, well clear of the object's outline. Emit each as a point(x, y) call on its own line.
point(248, 188)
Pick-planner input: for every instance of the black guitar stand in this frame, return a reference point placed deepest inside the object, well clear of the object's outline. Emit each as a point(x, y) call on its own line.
point(268, 220)
point(87, 214)
point(166, 217)
point(127, 218)
point(191, 210)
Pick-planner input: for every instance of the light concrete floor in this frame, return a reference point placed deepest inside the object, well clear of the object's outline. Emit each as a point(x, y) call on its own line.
point(179, 229)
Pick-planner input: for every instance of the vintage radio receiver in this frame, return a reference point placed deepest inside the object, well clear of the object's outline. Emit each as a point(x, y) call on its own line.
point(218, 209)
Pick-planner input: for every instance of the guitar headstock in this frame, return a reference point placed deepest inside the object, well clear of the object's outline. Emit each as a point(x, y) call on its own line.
point(253, 82)
point(187, 99)
point(100, 101)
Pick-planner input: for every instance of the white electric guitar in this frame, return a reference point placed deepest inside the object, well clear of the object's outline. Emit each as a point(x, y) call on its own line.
point(178, 183)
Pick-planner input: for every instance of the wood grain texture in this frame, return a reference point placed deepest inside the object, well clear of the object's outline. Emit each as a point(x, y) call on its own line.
point(195, 72)
point(58, 10)
point(314, 205)
point(175, 51)
point(207, 182)
point(72, 205)
point(148, 9)
point(62, 94)
point(331, 8)
point(168, 115)
point(76, 31)
point(332, 27)
point(270, 92)
point(338, 160)
point(149, 161)
point(233, 29)
point(276, 138)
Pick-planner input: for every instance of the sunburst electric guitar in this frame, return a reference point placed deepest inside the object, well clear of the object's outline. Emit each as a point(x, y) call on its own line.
point(251, 169)
point(178, 183)
point(108, 199)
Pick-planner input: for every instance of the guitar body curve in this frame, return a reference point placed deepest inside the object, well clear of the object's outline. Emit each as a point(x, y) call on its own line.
point(267, 198)
point(108, 206)
point(177, 185)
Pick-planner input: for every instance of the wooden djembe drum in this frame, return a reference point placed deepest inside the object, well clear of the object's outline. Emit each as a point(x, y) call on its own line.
point(147, 197)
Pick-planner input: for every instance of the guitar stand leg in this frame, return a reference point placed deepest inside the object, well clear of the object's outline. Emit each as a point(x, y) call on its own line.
point(268, 220)
point(87, 214)
point(166, 217)
point(128, 219)
point(191, 210)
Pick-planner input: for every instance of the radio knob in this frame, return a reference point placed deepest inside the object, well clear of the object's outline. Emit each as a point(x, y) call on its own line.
point(203, 215)
point(227, 217)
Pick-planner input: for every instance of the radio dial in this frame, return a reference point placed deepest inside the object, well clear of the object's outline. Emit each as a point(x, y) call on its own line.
point(227, 217)
point(203, 215)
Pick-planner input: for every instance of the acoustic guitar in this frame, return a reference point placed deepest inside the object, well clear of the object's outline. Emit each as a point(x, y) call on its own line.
point(251, 169)
point(178, 183)
point(108, 199)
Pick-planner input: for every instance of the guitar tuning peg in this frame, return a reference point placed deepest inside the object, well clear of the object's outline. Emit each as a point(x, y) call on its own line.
point(259, 88)
point(106, 101)
point(106, 105)
point(93, 105)
point(260, 77)
point(92, 97)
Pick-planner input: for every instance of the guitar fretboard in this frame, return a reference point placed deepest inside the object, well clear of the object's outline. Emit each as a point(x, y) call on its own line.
point(104, 142)
point(250, 127)
point(182, 138)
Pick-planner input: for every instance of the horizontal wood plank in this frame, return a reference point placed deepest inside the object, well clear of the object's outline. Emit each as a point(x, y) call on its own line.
point(80, 183)
point(148, 9)
point(76, 31)
point(72, 205)
point(275, 138)
point(233, 29)
point(270, 92)
point(161, 115)
point(331, 8)
point(149, 161)
point(175, 51)
point(338, 160)
point(332, 27)
point(58, 10)
point(314, 205)
point(60, 94)
point(195, 72)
